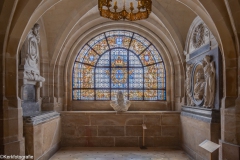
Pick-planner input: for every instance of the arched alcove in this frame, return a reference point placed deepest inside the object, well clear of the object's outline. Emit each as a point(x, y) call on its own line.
point(153, 45)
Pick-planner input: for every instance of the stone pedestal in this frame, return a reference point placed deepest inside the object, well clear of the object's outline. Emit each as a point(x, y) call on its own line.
point(199, 124)
point(42, 134)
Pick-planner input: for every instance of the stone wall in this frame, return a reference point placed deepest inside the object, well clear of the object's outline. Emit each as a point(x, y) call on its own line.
point(195, 132)
point(112, 129)
point(42, 140)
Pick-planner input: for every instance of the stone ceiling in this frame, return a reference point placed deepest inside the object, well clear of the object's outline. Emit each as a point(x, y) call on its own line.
point(64, 18)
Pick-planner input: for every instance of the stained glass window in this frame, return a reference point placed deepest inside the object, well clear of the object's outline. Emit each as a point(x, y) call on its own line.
point(119, 61)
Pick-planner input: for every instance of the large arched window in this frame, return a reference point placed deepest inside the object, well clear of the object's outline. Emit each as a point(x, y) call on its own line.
point(119, 60)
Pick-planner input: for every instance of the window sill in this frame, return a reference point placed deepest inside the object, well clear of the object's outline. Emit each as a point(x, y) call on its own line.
point(105, 106)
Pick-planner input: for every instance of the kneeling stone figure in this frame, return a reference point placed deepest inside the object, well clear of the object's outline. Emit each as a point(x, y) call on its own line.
point(121, 104)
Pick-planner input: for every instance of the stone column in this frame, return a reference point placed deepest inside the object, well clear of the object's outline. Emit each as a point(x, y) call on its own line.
point(11, 130)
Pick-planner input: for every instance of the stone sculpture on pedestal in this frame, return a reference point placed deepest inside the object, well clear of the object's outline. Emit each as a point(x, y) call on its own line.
point(209, 73)
point(30, 80)
point(30, 56)
point(121, 104)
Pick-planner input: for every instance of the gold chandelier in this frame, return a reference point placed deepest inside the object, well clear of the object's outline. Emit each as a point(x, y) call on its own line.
point(144, 8)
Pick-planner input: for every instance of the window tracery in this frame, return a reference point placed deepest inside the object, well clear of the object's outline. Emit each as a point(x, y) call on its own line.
point(119, 60)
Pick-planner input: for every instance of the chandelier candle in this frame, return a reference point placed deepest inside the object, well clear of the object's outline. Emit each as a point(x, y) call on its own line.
point(142, 9)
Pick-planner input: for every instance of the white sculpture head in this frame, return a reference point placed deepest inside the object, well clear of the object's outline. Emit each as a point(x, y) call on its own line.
point(120, 104)
point(120, 95)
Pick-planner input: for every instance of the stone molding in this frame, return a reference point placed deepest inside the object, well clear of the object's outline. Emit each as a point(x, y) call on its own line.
point(203, 114)
point(40, 117)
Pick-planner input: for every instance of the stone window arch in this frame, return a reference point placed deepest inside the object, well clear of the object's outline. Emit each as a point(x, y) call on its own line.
point(119, 60)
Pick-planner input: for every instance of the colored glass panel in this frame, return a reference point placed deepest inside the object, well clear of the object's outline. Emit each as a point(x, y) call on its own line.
point(147, 58)
point(119, 77)
point(119, 57)
point(86, 76)
point(104, 60)
point(119, 41)
point(151, 95)
point(155, 54)
point(131, 64)
point(161, 94)
point(96, 40)
point(82, 53)
point(161, 76)
point(135, 95)
point(102, 94)
point(119, 33)
point(141, 39)
point(87, 94)
point(91, 57)
point(101, 47)
point(136, 78)
point(150, 77)
point(134, 60)
point(76, 94)
point(137, 47)
point(102, 78)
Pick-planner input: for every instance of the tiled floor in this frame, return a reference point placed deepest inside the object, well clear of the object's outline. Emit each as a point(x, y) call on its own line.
point(123, 153)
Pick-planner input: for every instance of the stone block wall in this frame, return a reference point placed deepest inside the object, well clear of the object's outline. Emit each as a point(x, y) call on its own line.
point(195, 132)
point(112, 129)
point(42, 140)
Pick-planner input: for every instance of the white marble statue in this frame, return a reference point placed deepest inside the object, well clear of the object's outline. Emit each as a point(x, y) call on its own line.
point(209, 73)
point(199, 86)
point(188, 84)
point(30, 55)
point(120, 105)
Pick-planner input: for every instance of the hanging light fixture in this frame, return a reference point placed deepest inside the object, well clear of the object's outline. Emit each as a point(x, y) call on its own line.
point(132, 11)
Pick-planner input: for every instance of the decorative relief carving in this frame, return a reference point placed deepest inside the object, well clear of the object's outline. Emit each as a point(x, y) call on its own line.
point(200, 36)
point(188, 84)
point(200, 83)
point(209, 73)
point(120, 105)
point(30, 55)
point(199, 86)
